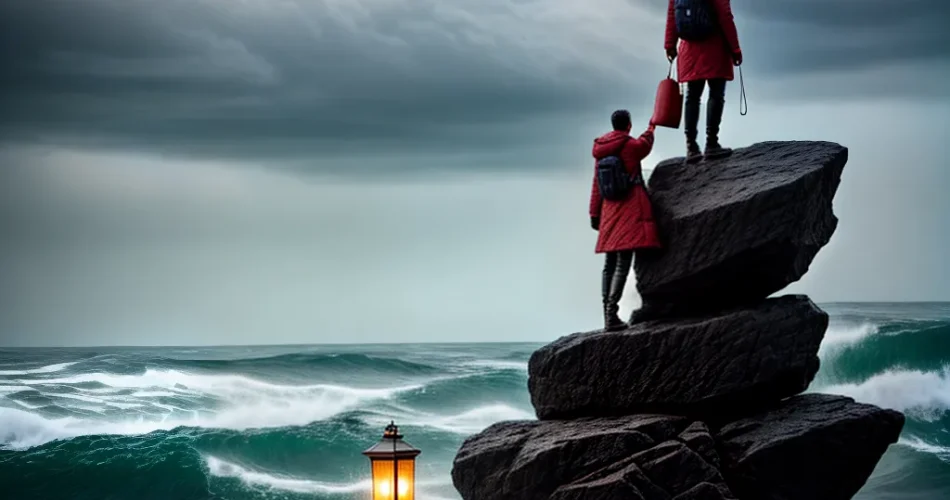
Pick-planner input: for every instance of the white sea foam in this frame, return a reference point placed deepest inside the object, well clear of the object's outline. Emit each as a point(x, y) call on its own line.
point(153, 394)
point(465, 423)
point(920, 394)
point(21, 429)
point(10, 389)
point(26, 405)
point(80, 397)
point(477, 419)
point(239, 403)
point(923, 446)
point(45, 369)
point(222, 468)
point(499, 364)
point(840, 337)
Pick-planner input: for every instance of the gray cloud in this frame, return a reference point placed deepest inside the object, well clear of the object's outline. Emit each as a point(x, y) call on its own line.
point(800, 36)
point(347, 86)
point(295, 78)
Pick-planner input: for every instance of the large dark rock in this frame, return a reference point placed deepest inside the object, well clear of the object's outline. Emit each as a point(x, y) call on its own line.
point(641, 456)
point(668, 471)
point(813, 446)
point(739, 229)
point(712, 367)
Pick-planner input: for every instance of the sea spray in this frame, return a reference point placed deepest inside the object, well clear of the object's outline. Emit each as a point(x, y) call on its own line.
point(290, 422)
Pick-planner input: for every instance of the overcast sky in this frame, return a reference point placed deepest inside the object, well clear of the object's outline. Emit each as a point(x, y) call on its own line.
point(301, 171)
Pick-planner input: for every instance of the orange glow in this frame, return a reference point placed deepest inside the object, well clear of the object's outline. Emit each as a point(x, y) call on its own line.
point(383, 479)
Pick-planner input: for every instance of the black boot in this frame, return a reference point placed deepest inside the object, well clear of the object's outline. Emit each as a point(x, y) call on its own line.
point(612, 321)
point(691, 121)
point(714, 150)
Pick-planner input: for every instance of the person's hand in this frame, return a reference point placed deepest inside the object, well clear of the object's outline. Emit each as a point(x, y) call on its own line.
point(671, 53)
point(595, 223)
point(652, 127)
point(737, 57)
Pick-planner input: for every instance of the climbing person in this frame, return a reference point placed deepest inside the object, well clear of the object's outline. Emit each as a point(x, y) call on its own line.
point(620, 208)
point(708, 49)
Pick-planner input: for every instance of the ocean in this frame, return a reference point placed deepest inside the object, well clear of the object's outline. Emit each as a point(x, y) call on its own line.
point(290, 422)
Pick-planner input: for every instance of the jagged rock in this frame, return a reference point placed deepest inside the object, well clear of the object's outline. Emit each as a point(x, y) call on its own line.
point(593, 458)
point(814, 446)
point(700, 440)
point(619, 481)
point(710, 367)
point(670, 470)
point(676, 468)
point(707, 491)
point(739, 229)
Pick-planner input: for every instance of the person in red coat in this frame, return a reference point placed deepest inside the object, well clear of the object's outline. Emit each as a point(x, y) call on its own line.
point(701, 61)
point(624, 225)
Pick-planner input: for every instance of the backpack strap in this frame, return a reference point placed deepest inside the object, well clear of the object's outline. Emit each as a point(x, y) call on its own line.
point(637, 179)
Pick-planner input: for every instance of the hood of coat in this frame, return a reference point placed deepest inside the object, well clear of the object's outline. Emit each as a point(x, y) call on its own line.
point(609, 143)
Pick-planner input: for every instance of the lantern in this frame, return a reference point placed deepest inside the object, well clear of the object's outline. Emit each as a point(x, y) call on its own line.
point(393, 463)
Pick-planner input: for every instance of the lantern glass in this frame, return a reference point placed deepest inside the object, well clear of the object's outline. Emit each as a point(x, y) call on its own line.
point(383, 479)
point(394, 466)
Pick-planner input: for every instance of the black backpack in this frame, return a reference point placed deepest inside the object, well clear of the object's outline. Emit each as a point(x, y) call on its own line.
point(695, 20)
point(613, 179)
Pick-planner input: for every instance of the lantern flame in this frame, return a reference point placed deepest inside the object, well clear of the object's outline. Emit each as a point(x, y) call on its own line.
point(384, 488)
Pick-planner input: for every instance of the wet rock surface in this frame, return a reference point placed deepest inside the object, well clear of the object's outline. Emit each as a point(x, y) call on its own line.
point(742, 359)
point(737, 229)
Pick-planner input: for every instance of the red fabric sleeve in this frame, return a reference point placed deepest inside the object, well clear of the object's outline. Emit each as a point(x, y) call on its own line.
point(595, 199)
point(728, 24)
point(640, 148)
point(671, 37)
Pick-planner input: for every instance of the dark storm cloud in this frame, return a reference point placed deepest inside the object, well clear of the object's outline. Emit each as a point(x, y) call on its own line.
point(382, 79)
point(796, 36)
point(277, 79)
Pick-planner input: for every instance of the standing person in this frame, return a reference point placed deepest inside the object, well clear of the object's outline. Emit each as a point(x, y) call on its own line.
point(625, 223)
point(708, 49)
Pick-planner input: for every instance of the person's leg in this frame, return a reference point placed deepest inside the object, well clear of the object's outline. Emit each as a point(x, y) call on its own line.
point(610, 264)
point(617, 284)
point(611, 260)
point(714, 110)
point(694, 93)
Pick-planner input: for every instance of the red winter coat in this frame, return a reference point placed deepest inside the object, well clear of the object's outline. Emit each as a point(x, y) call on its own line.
point(626, 224)
point(710, 58)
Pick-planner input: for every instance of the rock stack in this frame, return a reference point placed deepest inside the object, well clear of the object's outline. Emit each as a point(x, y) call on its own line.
point(701, 398)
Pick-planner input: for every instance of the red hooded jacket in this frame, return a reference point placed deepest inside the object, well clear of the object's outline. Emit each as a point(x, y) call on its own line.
point(625, 224)
point(710, 58)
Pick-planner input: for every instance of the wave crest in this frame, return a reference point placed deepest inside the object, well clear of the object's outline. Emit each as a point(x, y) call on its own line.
point(921, 394)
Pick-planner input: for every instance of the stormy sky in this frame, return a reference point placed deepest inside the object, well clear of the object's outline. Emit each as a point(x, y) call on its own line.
point(302, 171)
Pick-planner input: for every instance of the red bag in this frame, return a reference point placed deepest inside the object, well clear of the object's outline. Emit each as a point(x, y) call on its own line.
point(668, 110)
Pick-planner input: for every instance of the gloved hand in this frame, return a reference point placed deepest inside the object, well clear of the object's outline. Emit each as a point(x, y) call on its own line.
point(595, 223)
point(671, 53)
point(737, 57)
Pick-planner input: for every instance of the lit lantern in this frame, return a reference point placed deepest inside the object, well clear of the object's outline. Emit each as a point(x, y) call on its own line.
point(394, 466)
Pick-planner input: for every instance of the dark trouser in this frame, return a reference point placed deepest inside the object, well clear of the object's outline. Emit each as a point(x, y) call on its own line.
point(616, 269)
point(717, 102)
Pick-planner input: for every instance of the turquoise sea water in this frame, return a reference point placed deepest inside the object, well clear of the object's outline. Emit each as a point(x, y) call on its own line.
point(290, 422)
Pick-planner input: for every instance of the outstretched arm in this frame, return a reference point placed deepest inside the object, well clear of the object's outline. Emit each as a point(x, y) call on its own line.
point(643, 145)
point(728, 24)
